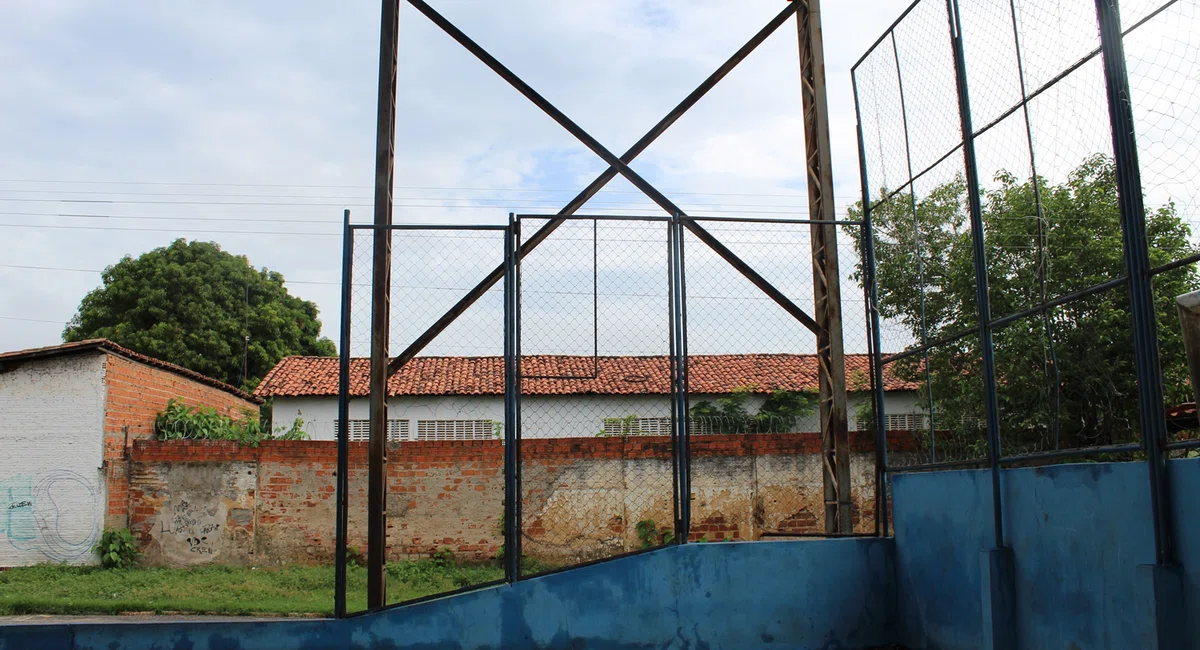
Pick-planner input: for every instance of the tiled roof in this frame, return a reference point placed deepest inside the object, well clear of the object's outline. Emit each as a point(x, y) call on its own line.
point(709, 374)
point(105, 345)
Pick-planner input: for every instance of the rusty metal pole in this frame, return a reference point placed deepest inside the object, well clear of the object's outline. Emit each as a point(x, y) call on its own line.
point(827, 294)
point(381, 284)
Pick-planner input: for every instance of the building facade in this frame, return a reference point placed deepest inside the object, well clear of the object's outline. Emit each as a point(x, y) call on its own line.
point(68, 417)
point(462, 398)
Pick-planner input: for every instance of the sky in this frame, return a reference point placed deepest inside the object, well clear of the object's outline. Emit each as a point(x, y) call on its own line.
point(129, 125)
point(252, 124)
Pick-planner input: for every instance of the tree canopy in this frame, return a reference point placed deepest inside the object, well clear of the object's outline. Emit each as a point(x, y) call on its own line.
point(1065, 376)
point(193, 304)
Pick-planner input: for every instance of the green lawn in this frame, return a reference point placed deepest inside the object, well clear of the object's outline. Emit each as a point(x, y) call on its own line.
point(221, 590)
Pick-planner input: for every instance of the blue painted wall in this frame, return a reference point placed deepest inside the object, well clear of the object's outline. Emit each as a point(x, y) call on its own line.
point(1185, 503)
point(940, 527)
point(788, 595)
point(1077, 532)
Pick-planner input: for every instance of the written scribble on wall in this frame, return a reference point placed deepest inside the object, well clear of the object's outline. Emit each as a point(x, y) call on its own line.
point(51, 516)
point(197, 525)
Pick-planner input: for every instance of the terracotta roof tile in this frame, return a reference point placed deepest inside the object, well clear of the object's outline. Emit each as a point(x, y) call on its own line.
point(711, 374)
point(106, 345)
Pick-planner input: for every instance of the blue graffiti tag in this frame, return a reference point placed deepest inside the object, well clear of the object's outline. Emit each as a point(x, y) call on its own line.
point(56, 514)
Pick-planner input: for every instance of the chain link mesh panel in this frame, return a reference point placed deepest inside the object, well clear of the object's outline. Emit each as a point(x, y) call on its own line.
point(445, 467)
point(1052, 229)
point(596, 416)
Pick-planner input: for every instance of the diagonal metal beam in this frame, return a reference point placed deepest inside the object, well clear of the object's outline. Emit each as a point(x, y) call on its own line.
point(594, 188)
point(548, 108)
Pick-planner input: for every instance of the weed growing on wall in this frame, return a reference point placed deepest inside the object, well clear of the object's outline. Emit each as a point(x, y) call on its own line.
point(650, 535)
point(778, 413)
point(179, 421)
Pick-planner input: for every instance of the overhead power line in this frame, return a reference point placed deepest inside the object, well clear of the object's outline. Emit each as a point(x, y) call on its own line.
point(34, 320)
point(572, 191)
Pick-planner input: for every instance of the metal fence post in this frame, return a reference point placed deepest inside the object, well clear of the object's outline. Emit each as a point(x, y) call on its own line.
point(681, 387)
point(1137, 265)
point(981, 275)
point(874, 348)
point(381, 285)
point(827, 293)
point(342, 521)
point(681, 531)
point(512, 495)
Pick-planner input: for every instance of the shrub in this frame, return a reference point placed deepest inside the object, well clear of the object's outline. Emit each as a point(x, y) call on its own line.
point(181, 422)
point(117, 549)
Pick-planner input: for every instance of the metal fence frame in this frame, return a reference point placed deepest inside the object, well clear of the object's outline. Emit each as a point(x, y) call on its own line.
point(1137, 277)
point(676, 282)
point(827, 325)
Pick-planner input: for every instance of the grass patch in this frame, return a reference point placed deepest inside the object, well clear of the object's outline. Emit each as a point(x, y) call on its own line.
point(52, 589)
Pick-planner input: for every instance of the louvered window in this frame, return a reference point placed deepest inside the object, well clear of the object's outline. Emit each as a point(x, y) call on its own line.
point(456, 430)
point(360, 430)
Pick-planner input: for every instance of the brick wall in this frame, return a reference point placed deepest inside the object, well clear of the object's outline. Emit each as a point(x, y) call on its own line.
point(274, 504)
point(136, 393)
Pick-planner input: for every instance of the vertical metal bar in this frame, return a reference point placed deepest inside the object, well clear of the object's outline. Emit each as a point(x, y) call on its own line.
point(681, 391)
point(912, 202)
point(342, 489)
point(835, 435)
point(517, 525)
point(512, 556)
point(1152, 416)
point(381, 283)
point(981, 277)
point(872, 304)
point(595, 298)
point(1043, 255)
point(681, 531)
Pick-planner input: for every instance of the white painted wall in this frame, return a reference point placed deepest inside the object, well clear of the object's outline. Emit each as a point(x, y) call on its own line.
point(52, 489)
point(565, 416)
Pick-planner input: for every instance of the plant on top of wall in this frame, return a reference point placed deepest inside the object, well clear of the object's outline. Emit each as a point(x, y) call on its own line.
point(778, 413)
point(179, 421)
point(117, 549)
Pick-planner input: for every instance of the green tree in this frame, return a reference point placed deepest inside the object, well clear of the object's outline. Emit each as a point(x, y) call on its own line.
point(193, 304)
point(1065, 378)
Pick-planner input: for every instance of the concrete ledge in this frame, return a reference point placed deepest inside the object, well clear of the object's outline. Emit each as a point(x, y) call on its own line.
point(1160, 602)
point(998, 591)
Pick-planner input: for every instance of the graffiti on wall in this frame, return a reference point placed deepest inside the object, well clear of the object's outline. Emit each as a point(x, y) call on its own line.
point(192, 526)
point(55, 514)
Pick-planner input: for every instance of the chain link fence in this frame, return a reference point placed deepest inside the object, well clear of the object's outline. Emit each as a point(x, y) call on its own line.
point(445, 467)
point(1020, 224)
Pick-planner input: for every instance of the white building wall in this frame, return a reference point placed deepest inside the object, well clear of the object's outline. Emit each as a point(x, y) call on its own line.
point(558, 416)
point(52, 489)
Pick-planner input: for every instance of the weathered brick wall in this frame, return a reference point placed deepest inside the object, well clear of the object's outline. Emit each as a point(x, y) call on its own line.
point(275, 504)
point(136, 393)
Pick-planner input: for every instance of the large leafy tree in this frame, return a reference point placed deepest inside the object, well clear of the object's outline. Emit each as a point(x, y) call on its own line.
point(193, 304)
point(1065, 376)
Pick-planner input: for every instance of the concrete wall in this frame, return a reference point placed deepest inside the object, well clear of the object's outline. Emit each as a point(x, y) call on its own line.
point(566, 416)
point(51, 484)
point(787, 595)
point(1078, 534)
point(582, 498)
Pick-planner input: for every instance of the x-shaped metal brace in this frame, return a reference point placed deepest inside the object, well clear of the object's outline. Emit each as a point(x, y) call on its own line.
point(616, 166)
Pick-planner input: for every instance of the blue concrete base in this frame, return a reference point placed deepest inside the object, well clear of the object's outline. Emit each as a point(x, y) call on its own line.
point(998, 593)
point(1160, 600)
point(1080, 565)
point(794, 595)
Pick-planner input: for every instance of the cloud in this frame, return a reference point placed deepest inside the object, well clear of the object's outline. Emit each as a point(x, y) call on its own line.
point(264, 112)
